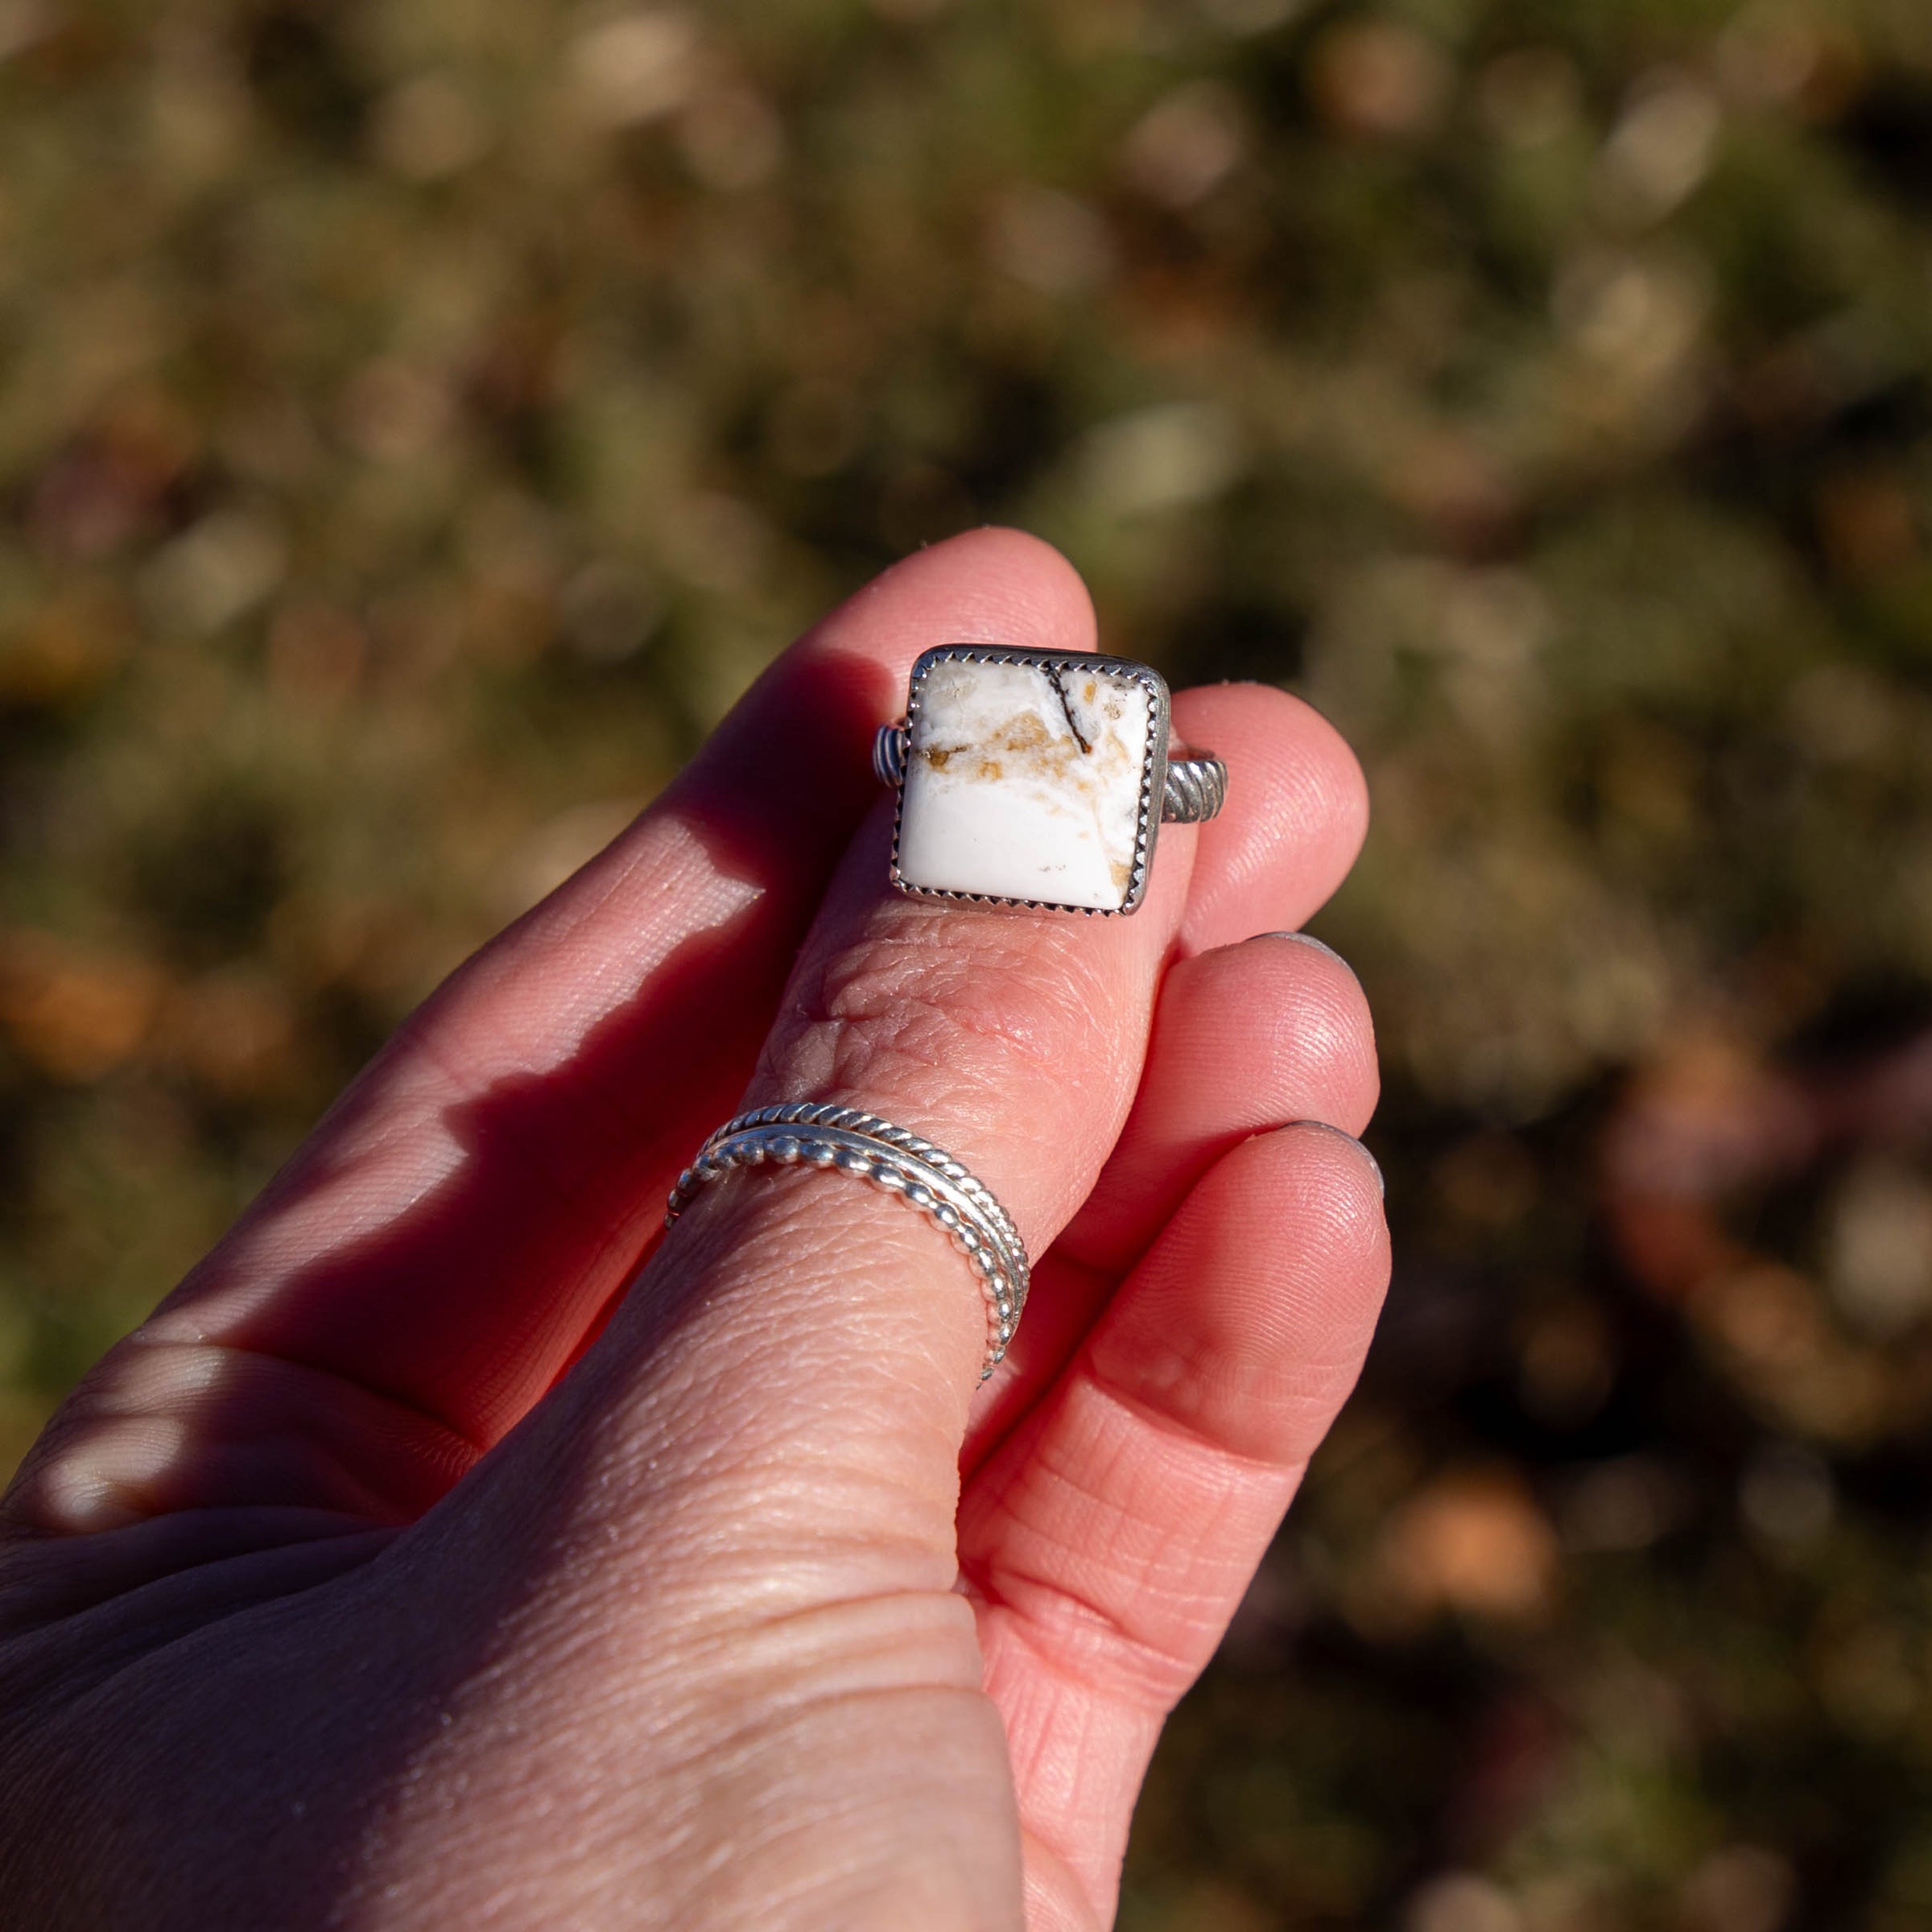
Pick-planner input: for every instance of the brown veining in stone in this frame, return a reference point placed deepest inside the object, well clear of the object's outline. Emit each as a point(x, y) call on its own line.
point(1025, 739)
point(1050, 740)
point(1073, 724)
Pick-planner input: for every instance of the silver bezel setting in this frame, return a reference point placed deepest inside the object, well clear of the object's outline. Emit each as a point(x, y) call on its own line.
point(1154, 768)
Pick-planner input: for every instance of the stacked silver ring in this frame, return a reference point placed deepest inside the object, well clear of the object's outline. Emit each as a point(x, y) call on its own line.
point(817, 1134)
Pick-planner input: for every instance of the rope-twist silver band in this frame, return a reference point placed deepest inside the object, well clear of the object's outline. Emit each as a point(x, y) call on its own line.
point(889, 747)
point(818, 1134)
point(1196, 788)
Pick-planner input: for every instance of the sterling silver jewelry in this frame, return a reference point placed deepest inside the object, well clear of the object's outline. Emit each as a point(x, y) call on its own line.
point(817, 1134)
point(1037, 779)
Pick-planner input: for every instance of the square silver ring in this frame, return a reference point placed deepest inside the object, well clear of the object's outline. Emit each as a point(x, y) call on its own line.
point(1036, 779)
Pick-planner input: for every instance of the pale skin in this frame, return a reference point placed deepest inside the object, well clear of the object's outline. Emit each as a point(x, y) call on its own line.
point(422, 1562)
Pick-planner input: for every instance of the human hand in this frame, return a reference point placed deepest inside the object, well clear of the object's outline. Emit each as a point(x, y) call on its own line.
point(332, 1599)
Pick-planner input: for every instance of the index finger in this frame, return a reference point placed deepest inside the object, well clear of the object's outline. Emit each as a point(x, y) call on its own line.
point(428, 1261)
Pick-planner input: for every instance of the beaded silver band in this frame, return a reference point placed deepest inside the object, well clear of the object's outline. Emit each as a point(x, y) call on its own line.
point(1195, 790)
point(818, 1134)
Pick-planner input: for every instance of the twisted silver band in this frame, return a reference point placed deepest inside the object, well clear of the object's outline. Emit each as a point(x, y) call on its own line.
point(818, 1134)
point(1196, 787)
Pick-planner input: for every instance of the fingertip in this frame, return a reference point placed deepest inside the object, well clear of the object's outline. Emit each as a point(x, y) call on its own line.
point(1247, 1038)
point(1319, 947)
point(1327, 1252)
point(993, 585)
point(1285, 1002)
point(1356, 1147)
point(1040, 571)
point(1249, 1319)
point(1296, 817)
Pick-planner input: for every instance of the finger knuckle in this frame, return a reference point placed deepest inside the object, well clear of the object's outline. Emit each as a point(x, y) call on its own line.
point(905, 1001)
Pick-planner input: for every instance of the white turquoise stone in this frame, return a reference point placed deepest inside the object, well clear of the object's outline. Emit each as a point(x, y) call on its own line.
point(1024, 780)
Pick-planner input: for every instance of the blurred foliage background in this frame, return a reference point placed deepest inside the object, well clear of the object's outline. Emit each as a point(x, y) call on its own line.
point(419, 418)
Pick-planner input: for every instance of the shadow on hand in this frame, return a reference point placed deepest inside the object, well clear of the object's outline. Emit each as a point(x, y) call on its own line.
point(217, 1703)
